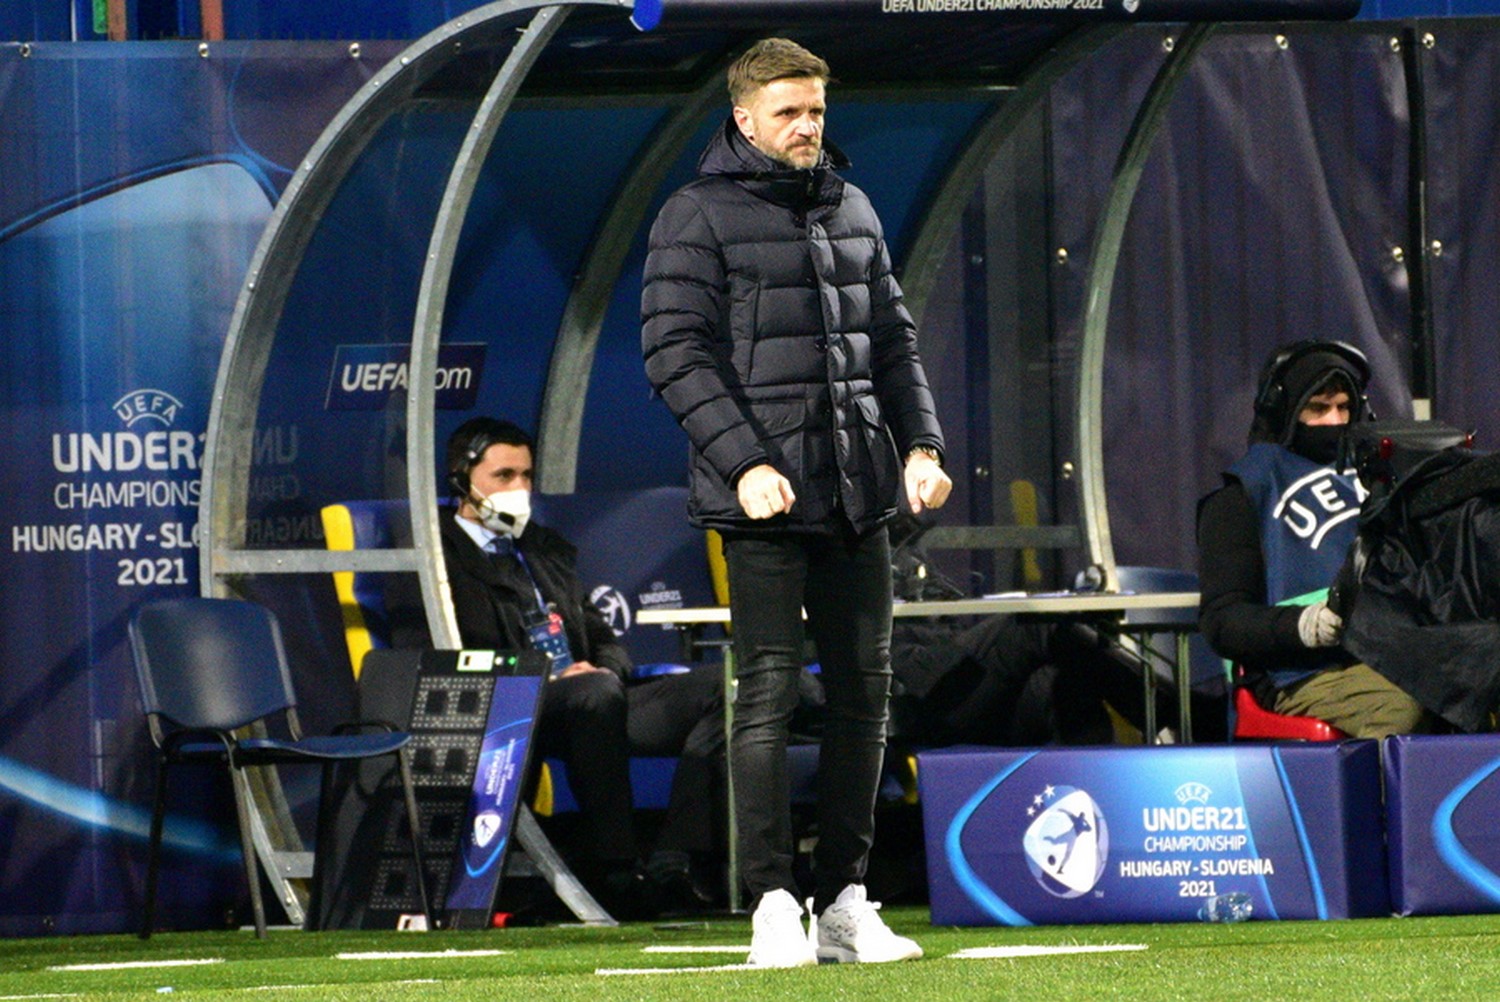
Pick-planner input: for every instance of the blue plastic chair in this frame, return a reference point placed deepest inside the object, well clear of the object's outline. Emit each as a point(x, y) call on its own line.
point(209, 668)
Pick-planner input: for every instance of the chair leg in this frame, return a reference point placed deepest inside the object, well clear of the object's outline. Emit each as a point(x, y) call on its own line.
point(241, 785)
point(414, 823)
point(153, 860)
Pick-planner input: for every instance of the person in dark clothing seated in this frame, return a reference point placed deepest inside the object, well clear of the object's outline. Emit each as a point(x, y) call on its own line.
point(1008, 682)
point(1004, 680)
point(515, 586)
point(1272, 540)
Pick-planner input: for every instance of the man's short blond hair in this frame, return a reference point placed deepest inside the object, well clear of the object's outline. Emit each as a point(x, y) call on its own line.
point(772, 59)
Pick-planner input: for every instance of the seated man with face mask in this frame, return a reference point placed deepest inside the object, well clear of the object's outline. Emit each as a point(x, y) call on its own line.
point(515, 586)
point(1272, 540)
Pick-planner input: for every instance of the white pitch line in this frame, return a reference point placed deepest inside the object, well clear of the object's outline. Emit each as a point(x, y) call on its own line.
point(279, 988)
point(1001, 952)
point(27, 998)
point(610, 971)
point(974, 953)
point(126, 965)
point(418, 954)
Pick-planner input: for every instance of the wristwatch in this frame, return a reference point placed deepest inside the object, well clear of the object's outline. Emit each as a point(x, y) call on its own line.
point(928, 451)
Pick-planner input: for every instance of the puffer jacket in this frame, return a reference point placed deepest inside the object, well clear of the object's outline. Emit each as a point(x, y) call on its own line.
point(774, 331)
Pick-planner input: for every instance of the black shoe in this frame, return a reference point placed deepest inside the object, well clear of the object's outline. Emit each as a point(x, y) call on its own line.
point(626, 894)
point(676, 884)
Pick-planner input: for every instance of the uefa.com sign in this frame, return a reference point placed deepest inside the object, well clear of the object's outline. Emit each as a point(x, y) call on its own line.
point(365, 375)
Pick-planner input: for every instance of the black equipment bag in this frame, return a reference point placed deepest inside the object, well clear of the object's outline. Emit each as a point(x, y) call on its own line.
point(1420, 592)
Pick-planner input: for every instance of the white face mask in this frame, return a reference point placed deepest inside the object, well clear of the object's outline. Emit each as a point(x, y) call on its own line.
point(505, 513)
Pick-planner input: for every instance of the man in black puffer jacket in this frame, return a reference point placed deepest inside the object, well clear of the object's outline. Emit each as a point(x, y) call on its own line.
point(774, 330)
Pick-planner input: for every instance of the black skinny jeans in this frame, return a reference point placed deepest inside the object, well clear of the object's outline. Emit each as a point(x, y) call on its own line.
point(844, 582)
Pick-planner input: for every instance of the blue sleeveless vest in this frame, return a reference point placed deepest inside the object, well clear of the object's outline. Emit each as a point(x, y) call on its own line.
point(1309, 516)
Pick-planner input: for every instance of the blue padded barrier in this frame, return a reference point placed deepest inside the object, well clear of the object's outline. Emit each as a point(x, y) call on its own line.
point(1442, 799)
point(1067, 836)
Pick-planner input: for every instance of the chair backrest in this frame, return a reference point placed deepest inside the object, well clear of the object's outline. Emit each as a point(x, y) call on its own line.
point(210, 662)
point(364, 525)
point(1143, 580)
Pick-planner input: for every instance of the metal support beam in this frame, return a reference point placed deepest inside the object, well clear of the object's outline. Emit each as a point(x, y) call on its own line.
point(427, 329)
point(561, 424)
point(934, 231)
point(1415, 41)
point(229, 444)
point(1103, 263)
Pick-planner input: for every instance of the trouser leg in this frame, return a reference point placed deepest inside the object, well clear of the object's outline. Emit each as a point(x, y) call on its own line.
point(767, 577)
point(683, 715)
point(1358, 700)
point(848, 602)
point(582, 722)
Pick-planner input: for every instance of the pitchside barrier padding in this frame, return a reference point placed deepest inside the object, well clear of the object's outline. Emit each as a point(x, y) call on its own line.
point(1023, 837)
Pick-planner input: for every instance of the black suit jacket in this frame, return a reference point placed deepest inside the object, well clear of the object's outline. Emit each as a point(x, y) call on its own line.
point(493, 596)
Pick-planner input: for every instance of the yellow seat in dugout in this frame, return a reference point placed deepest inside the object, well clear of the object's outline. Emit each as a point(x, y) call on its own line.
point(358, 600)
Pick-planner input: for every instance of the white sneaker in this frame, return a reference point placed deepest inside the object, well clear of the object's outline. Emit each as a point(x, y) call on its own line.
point(777, 938)
point(851, 931)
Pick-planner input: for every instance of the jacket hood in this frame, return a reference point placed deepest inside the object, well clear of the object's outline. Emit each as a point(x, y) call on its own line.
point(1283, 391)
point(729, 154)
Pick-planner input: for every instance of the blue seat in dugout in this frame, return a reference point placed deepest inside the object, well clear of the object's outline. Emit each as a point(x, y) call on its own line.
point(635, 549)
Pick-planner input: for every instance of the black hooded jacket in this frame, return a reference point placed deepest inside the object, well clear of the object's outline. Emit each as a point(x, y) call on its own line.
point(1234, 615)
point(1426, 609)
point(774, 331)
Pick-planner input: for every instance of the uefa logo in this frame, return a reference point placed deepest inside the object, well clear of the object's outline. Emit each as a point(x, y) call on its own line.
point(156, 406)
point(613, 606)
point(1067, 842)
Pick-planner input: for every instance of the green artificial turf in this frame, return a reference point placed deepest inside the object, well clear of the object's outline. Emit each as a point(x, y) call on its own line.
point(1407, 959)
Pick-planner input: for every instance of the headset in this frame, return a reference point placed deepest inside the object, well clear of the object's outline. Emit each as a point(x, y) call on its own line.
point(1270, 398)
point(458, 473)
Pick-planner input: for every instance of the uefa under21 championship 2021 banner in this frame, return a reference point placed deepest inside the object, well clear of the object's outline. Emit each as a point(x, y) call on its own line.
point(138, 180)
point(1062, 836)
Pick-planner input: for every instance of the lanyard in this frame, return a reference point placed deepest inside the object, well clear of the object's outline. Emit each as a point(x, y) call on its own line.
point(546, 630)
point(541, 603)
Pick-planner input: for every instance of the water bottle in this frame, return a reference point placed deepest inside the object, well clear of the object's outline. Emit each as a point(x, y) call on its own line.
point(1232, 907)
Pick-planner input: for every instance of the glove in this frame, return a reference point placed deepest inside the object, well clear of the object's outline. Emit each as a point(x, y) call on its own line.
point(1319, 626)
